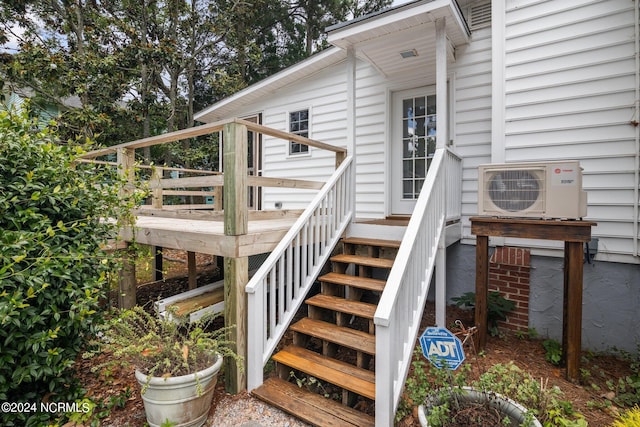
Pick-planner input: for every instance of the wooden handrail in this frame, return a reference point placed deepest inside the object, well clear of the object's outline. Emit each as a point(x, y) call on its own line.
point(211, 128)
point(290, 136)
point(161, 139)
point(167, 168)
point(212, 183)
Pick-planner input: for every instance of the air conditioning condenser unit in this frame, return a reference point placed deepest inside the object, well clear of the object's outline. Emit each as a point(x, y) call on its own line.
point(533, 190)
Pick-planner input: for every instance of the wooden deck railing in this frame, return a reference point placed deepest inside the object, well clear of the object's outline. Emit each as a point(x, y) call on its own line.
point(397, 318)
point(280, 285)
point(203, 183)
point(333, 208)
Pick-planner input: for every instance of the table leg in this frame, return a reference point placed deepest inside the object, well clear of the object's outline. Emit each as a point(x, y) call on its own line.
point(482, 289)
point(572, 317)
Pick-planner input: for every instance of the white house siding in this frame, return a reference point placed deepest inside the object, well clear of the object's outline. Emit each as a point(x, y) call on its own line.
point(471, 115)
point(324, 95)
point(371, 133)
point(570, 92)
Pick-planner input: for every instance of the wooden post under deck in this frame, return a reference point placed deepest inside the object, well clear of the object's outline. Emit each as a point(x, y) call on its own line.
point(574, 234)
point(236, 270)
point(192, 270)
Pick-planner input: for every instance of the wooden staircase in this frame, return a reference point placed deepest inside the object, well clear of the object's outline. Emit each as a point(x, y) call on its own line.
point(333, 348)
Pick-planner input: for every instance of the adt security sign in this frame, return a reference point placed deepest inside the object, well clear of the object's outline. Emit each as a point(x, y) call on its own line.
point(442, 348)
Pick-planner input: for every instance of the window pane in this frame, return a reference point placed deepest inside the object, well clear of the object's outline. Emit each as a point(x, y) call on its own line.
point(431, 104)
point(420, 107)
point(406, 105)
point(299, 125)
point(420, 146)
point(420, 126)
point(421, 169)
point(407, 189)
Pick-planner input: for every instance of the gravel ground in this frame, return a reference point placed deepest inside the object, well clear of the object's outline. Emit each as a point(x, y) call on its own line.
point(243, 410)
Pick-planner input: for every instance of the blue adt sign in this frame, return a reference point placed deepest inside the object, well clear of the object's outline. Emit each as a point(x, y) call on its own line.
point(442, 348)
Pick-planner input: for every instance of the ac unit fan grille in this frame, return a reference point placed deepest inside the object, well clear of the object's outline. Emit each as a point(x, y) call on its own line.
point(514, 190)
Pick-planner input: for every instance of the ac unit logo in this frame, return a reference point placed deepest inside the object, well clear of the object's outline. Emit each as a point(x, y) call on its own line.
point(564, 175)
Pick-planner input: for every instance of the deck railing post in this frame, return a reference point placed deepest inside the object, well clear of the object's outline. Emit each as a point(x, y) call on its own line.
point(236, 270)
point(155, 184)
point(217, 199)
point(236, 212)
point(156, 187)
point(127, 275)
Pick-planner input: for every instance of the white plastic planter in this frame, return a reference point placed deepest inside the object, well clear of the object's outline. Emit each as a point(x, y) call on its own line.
point(512, 409)
point(183, 400)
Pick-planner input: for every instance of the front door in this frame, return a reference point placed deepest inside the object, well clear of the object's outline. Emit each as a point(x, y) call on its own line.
point(413, 143)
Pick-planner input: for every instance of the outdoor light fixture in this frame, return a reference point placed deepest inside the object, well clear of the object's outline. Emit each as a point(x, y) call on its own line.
point(409, 53)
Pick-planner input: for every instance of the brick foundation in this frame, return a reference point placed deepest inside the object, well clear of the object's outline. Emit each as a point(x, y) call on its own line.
point(509, 274)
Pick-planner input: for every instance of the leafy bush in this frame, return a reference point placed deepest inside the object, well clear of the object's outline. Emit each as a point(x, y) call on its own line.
point(553, 351)
point(429, 384)
point(162, 347)
point(53, 270)
point(630, 418)
point(497, 307)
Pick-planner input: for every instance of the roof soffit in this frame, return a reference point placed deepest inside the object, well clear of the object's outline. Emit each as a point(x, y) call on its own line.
point(380, 39)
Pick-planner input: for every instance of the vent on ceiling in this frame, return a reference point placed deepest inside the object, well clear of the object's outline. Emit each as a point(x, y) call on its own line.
point(479, 15)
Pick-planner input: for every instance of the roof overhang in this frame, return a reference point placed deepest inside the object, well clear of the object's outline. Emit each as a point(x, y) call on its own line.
point(401, 39)
point(226, 108)
point(380, 38)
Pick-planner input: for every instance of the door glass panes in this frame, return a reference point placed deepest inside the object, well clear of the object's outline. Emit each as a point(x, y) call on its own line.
point(418, 142)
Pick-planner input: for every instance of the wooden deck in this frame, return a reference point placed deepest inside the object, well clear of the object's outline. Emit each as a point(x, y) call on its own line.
point(213, 216)
point(208, 236)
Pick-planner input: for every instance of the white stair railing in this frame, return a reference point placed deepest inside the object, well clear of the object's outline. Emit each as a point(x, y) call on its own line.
point(399, 312)
point(280, 285)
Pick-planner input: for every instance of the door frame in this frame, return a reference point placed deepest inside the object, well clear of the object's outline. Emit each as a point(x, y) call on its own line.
point(393, 97)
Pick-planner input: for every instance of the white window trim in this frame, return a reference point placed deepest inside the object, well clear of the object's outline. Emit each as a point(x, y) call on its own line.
point(291, 155)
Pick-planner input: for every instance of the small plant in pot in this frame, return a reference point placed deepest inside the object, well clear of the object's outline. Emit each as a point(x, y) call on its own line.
point(502, 395)
point(176, 364)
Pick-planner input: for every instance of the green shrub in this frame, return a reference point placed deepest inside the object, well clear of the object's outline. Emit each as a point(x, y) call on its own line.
point(497, 307)
point(53, 271)
point(629, 418)
point(553, 351)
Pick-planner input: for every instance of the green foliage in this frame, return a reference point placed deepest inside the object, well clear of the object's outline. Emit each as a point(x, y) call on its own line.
point(553, 351)
point(440, 388)
point(53, 270)
point(497, 307)
point(630, 418)
point(161, 347)
point(530, 334)
point(627, 389)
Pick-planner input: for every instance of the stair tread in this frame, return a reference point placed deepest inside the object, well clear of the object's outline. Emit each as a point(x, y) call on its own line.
point(342, 374)
point(363, 260)
point(346, 337)
point(354, 281)
point(372, 242)
point(357, 308)
point(310, 407)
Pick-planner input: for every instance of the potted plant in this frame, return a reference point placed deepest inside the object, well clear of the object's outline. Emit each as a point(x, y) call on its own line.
point(504, 394)
point(176, 364)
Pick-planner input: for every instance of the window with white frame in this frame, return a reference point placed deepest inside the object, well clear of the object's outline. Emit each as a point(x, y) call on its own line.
point(299, 125)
